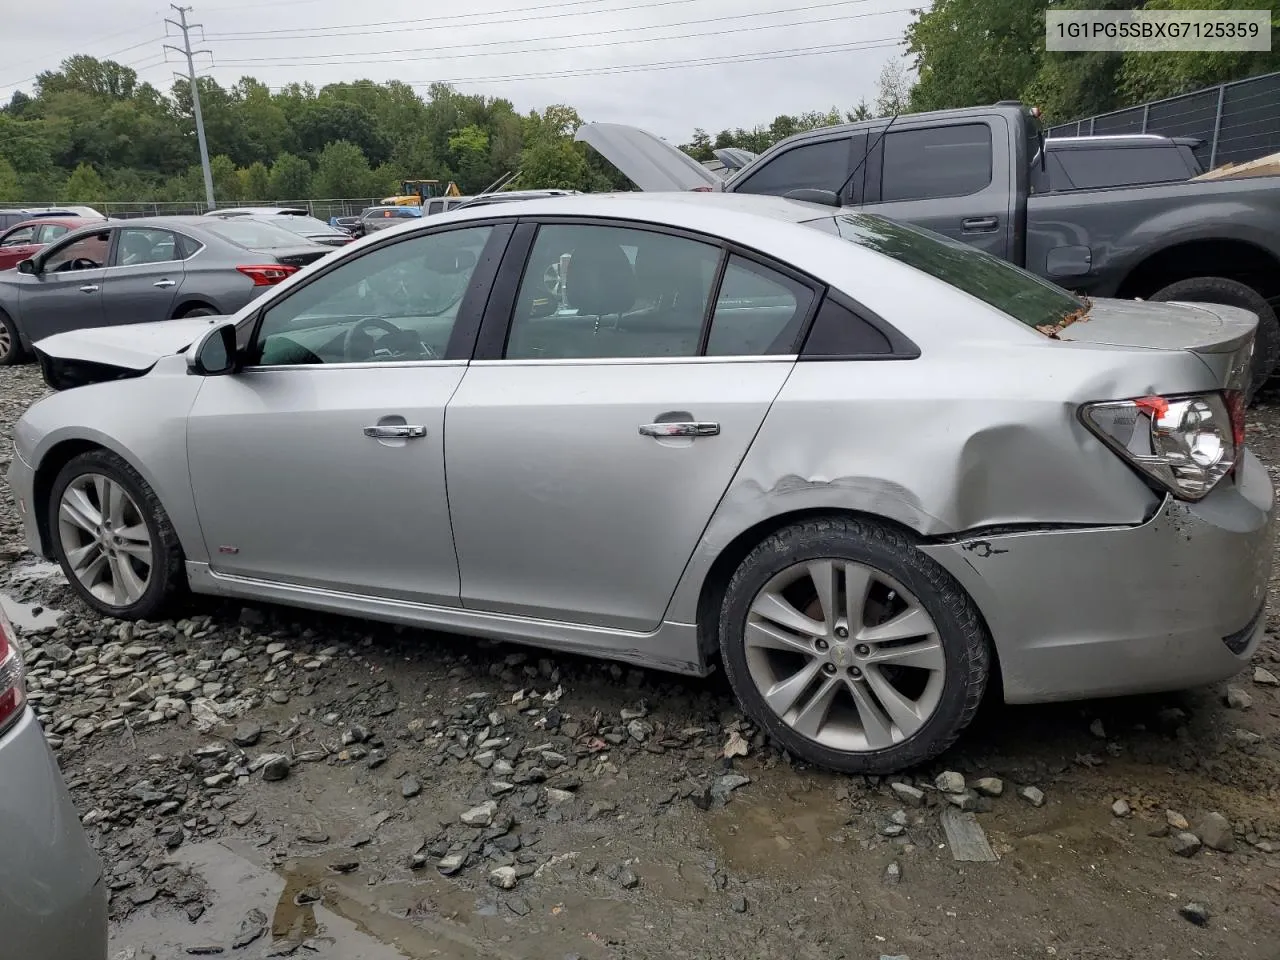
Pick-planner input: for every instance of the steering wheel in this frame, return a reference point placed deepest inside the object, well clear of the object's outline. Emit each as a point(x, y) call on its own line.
point(360, 330)
point(78, 263)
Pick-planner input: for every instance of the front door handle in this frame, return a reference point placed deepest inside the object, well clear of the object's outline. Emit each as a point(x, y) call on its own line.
point(980, 223)
point(89, 288)
point(688, 428)
point(164, 283)
point(395, 431)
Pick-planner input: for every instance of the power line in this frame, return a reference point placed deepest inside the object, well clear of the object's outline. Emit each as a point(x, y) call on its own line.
point(86, 43)
point(105, 56)
point(663, 65)
point(316, 59)
point(358, 29)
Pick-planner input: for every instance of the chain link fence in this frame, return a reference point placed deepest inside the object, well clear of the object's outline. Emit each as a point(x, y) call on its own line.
point(1234, 122)
point(322, 209)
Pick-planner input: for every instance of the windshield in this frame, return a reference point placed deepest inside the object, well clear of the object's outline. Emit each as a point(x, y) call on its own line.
point(1020, 294)
point(253, 234)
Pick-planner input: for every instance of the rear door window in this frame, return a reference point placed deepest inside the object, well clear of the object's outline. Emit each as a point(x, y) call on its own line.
point(952, 161)
point(759, 311)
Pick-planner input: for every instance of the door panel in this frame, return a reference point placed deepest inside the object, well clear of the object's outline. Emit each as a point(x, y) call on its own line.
point(954, 179)
point(285, 475)
point(145, 275)
point(323, 463)
point(563, 510)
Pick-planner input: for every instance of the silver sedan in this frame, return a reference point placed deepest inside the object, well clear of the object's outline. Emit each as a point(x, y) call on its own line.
point(865, 469)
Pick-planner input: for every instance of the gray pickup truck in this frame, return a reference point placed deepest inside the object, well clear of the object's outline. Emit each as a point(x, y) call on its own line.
point(976, 175)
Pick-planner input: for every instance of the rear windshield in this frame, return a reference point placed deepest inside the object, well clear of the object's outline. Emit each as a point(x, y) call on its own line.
point(302, 225)
point(253, 234)
point(1020, 294)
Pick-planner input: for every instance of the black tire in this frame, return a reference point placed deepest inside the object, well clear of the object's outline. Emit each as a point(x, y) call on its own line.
point(11, 349)
point(1233, 293)
point(966, 645)
point(198, 312)
point(168, 574)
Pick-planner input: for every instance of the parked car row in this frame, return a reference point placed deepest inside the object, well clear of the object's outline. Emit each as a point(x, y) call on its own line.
point(110, 272)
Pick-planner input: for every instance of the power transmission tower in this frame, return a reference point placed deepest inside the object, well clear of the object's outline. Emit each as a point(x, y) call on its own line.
point(187, 52)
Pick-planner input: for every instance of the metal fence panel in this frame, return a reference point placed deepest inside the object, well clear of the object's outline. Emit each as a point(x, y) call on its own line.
point(1235, 121)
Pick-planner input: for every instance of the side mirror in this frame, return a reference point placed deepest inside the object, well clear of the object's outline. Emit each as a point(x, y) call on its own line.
point(27, 266)
point(214, 354)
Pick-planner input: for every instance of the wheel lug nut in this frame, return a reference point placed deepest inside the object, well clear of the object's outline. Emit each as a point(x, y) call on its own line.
point(829, 668)
point(842, 632)
point(855, 673)
point(862, 649)
point(821, 644)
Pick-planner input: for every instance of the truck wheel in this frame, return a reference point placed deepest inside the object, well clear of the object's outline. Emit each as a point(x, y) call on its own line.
point(851, 648)
point(1233, 293)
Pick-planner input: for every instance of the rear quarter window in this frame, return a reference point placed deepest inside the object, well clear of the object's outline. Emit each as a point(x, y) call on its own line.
point(998, 283)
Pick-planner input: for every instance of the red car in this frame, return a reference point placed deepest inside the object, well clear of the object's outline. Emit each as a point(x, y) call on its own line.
point(22, 240)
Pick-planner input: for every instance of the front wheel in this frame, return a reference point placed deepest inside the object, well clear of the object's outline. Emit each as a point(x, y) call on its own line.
point(112, 538)
point(851, 648)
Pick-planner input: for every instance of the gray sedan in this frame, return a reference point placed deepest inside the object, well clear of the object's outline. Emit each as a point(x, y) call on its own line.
point(140, 271)
point(866, 469)
point(53, 899)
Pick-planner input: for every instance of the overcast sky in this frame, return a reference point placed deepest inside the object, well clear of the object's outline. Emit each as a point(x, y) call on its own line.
point(525, 50)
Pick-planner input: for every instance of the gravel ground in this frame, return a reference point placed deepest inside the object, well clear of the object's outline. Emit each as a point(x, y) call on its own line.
point(265, 782)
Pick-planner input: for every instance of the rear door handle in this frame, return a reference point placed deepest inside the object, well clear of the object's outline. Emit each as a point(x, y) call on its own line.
point(395, 431)
point(89, 288)
point(980, 223)
point(689, 428)
point(164, 283)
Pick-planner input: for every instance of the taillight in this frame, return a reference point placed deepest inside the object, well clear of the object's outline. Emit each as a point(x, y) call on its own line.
point(267, 275)
point(1186, 444)
point(701, 190)
point(13, 694)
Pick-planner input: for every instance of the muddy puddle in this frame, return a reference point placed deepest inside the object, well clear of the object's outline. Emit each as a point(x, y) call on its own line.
point(28, 617)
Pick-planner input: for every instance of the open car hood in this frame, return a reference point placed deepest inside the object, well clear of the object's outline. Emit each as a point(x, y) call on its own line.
point(649, 162)
point(98, 354)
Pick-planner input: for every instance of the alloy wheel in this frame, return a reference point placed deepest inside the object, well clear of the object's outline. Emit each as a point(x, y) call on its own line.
point(105, 539)
point(844, 655)
point(6, 341)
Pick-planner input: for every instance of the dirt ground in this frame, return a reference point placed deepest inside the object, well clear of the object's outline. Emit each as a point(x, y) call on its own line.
point(616, 829)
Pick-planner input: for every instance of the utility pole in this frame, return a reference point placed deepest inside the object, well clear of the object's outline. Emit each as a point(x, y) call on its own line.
point(187, 52)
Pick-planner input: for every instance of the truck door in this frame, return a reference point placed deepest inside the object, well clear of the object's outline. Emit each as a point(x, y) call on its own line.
point(953, 177)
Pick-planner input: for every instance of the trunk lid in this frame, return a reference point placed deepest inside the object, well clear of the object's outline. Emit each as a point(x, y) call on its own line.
point(298, 256)
point(1220, 335)
point(649, 162)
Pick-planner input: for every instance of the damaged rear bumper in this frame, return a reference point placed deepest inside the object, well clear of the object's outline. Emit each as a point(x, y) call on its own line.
point(1176, 602)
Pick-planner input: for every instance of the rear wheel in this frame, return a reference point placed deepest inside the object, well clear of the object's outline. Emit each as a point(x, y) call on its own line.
point(852, 648)
point(112, 538)
point(1233, 293)
point(198, 312)
point(11, 351)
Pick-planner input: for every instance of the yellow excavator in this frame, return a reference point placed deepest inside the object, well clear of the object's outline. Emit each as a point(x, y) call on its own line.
point(415, 193)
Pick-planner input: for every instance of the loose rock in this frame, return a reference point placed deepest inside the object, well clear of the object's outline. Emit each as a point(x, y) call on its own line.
point(1121, 808)
point(908, 794)
point(480, 816)
point(1033, 795)
point(1238, 698)
point(1215, 832)
point(893, 873)
point(1184, 844)
point(950, 782)
point(504, 878)
point(1265, 677)
point(1196, 913)
point(989, 786)
point(277, 768)
point(410, 787)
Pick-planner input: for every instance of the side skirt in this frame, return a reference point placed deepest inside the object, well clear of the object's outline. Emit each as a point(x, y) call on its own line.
point(672, 647)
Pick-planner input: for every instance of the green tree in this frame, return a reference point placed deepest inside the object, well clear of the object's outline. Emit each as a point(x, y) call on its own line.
point(290, 179)
point(469, 155)
point(969, 52)
point(342, 171)
point(553, 163)
point(8, 182)
point(84, 186)
point(255, 181)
